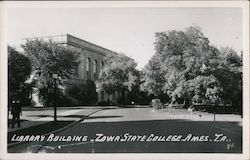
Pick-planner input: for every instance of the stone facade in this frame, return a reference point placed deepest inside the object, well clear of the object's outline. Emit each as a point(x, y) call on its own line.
point(91, 62)
point(91, 59)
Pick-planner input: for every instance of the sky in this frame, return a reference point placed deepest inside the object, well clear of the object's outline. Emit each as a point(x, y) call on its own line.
point(125, 30)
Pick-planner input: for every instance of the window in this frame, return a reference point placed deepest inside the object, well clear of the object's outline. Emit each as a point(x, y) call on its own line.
point(95, 68)
point(88, 65)
point(102, 65)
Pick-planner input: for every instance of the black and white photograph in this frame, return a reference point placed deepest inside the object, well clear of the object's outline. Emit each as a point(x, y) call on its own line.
point(104, 79)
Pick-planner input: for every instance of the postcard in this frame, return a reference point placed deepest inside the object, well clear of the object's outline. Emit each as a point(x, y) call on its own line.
point(124, 80)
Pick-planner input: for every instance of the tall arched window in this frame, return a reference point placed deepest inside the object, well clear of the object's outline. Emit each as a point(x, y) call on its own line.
point(95, 67)
point(102, 65)
point(88, 65)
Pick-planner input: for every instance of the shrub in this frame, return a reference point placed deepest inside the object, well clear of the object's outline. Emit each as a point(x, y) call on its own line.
point(83, 93)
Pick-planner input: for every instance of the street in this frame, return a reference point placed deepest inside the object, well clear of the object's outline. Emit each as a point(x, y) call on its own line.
point(143, 130)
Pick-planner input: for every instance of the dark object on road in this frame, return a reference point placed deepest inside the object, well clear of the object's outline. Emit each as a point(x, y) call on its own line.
point(16, 110)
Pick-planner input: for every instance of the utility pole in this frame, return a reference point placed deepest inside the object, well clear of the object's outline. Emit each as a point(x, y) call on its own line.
point(55, 77)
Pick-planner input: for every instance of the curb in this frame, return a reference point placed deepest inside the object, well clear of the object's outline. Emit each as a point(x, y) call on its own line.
point(56, 131)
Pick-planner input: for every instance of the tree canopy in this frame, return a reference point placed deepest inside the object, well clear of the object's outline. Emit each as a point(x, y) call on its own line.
point(119, 74)
point(49, 58)
point(229, 73)
point(19, 70)
point(185, 65)
point(83, 93)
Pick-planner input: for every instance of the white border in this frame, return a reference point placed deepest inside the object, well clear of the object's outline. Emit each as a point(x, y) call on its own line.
point(95, 4)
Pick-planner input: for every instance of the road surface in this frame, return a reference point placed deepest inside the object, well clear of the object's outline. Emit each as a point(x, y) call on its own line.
point(143, 130)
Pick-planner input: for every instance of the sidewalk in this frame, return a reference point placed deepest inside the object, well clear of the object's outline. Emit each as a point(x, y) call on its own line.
point(149, 114)
point(35, 117)
point(39, 116)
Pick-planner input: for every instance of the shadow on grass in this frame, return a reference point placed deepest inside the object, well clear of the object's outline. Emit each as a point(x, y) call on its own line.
point(10, 121)
point(218, 109)
point(76, 116)
point(69, 107)
point(135, 106)
point(98, 117)
point(59, 116)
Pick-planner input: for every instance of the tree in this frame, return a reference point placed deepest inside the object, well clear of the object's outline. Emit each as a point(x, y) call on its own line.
point(83, 93)
point(229, 73)
point(19, 70)
point(136, 95)
point(153, 79)
point(49, 58)
point(118, 75)
point(182, 66)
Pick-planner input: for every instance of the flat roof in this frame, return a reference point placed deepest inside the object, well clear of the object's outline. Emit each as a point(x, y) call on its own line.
point(75, 41)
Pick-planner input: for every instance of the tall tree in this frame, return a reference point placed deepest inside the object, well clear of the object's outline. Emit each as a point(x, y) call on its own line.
point(118, 75)
point(50, 58)
point(229, 73)
point(19, 70)
point(182, 65)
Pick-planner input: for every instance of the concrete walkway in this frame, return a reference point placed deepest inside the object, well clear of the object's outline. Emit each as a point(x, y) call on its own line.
point(37, 116)
point(147, 114)
point(33, 117)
